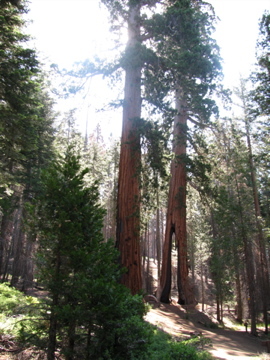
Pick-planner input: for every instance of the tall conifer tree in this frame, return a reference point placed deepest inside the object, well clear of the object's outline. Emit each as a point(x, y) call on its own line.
point(128, 200)
point(191, 65)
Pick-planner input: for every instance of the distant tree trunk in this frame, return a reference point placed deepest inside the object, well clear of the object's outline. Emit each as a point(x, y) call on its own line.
point(249, 265)
point(192, 258)
point(263, 273)
point(128, 201)
point(52, 330)
point(260, 251)
point(52, 335)
point(28, 266)
point(158, 236)
point(202, 284)
point(239, 302)
point(18, 247)
point(5, 238)
point(71, 339)
point(148, 276)
point(143, 249)
point(176, 213)
point(218, 308)
point(221, 308)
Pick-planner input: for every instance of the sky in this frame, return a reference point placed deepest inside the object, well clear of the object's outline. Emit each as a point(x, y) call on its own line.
point(236, 34)
point(67, 31)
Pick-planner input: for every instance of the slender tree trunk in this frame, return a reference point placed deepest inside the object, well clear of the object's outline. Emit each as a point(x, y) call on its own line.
point(18, 238)
point(262, 257)
point(218, 307)
point(202, 285)
point(52, 330)
point(128, 201)
point(148, 277)
point(158, 236)
point(5, 238)
point(28, 266)
point(249, 265)
point(89, 341)
point(260, 251)
point(52, 335)
point(192, 258)
point(143, 248)
point(239, 302)
point(176, 213)
point(221, 307)
point(71, 340)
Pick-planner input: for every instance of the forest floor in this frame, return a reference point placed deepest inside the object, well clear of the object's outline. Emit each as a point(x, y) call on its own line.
point(223, 343)
point(227, 343)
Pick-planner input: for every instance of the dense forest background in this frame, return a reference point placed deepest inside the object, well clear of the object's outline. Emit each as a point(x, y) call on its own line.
point(184, 191)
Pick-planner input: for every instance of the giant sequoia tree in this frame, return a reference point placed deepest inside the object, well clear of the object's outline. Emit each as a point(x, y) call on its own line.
point(128, 201)
point(191, 63)
point(179, 58)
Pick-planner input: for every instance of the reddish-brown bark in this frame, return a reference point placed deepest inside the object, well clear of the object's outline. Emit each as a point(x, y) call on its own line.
point(176, 215)
point(128, 212)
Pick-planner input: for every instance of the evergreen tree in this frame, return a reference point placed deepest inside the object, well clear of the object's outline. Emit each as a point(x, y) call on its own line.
point(233, 222)
point(26, 137)
point(128, 201)
point(261, 252)
point(189, 58)
point(89, 310)
point(261, 77)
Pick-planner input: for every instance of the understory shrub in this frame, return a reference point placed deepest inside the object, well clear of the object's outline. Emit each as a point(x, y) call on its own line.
point(163, 346)
point(88, 313)
point(12, 301)
point(20, 315)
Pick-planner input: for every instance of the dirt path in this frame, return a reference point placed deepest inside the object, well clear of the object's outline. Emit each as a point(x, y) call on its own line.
point(226, 344)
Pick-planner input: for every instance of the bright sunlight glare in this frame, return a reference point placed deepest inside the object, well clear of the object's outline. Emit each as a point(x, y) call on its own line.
point(68, 31)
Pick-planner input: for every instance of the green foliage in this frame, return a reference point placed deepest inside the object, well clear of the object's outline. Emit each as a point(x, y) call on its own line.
point(261, 77)
point(12, 301)
point(119, 331)
point(25, 108)
point(164, 347)
point(187, 53)
point(87, 307)
point(20, 316)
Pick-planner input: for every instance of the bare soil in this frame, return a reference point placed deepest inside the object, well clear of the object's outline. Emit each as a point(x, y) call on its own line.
point(222, 343)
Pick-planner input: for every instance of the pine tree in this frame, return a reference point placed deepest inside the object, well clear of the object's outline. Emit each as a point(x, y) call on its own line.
point(26, 137)
point(260, 253)
point(261, 77)
point(89, 310)
point(233, 223)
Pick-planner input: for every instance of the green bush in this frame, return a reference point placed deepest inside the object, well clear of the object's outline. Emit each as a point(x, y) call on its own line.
point(164, 347)
point(118, 329)
point(20, 316)
point(89, 314)
point(12, 301)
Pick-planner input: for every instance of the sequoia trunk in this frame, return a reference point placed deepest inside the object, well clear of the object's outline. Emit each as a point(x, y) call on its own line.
point(128, 200)
point(176, 215)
